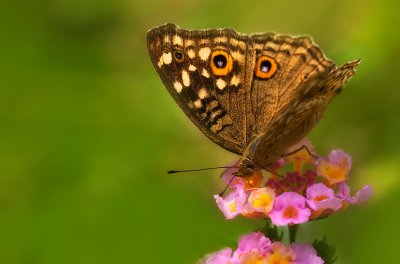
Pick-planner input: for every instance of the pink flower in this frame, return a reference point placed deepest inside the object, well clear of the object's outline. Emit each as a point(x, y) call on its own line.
point(222, 256)
point(289, 208)
point(255, 241)
point(362, 195)
point(306, 254)
point(305, 191)
point(335, 168)
point(257, 248)
point(233, 203)
point(321, 197)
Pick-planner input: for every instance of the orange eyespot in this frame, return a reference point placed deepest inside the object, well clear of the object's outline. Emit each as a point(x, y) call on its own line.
point(221, 63)
point(178, 55)
point(265, 67)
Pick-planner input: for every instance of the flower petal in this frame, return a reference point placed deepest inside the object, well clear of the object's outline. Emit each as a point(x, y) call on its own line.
point(363, 195)
point(253, 241)
point(338, 156)
point(319, 196)
point(289, 208)
point(306, 254)
point(222, 256)
point(335, 168)
point(233, 203)
point(262, 200)
point(280, 254)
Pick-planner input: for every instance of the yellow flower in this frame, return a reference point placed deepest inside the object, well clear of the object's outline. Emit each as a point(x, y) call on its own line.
point(280, 254)
point(335, 168)
point(262, 200)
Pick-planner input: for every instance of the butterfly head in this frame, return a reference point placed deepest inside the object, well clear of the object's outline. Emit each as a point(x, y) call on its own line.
point(246, 168)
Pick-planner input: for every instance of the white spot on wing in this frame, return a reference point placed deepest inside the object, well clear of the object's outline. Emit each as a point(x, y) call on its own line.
point(238, 43)
point(166, 39)
point(204, 41)
point(178, 86)
point(160, 62)
point(221, 84)
point(205, 73)
point(204, 53)
point(167, 57)
point(236, 55)
point(189, 42)
point(177, 40)
point(259, 46)
point(214, 114)
point(185, 78)
point(203, 93)
point(191, 53)
point(198, 103)
point(192, 67)
point(220, 39)
point(235, 80)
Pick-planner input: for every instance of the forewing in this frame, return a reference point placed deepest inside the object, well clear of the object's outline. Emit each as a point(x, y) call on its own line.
point(214, 99)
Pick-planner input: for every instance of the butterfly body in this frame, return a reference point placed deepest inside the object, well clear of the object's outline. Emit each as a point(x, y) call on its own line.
point(254, 95)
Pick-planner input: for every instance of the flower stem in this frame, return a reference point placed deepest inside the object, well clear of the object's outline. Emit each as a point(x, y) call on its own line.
point(271, 231)
point(292, 233)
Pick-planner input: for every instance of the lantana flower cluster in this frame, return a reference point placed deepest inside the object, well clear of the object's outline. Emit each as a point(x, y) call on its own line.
point(314, 187)
point(257, 248)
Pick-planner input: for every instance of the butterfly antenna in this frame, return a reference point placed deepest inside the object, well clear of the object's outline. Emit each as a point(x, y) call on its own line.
point(203, 169)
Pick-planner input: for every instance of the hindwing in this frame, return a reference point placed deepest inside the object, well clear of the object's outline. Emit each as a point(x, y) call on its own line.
point(298, 59)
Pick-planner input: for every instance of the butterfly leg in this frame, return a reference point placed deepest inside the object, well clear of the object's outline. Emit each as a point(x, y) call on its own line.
point(299, 149)
point(274, 173)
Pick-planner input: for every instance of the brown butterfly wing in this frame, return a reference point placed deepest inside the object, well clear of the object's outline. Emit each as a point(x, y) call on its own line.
point(237, 110)
point(216, 104)
point(298, 60)
point(301, 114)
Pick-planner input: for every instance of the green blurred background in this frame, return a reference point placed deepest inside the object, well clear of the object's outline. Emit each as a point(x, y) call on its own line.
point(88, 131)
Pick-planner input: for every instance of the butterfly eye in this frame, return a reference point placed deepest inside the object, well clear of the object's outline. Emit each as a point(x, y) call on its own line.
point(178, 56)
point(221, 63)
point(265, 67)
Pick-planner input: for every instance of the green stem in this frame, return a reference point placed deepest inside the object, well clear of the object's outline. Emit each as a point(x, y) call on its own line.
point(272, 232)
point(292, 233)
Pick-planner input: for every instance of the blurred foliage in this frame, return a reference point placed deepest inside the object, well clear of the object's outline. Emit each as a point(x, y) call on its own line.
point(88, 131)
point(325, 251)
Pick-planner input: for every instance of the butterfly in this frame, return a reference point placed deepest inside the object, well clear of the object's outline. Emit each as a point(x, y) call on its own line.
point(254, 95)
